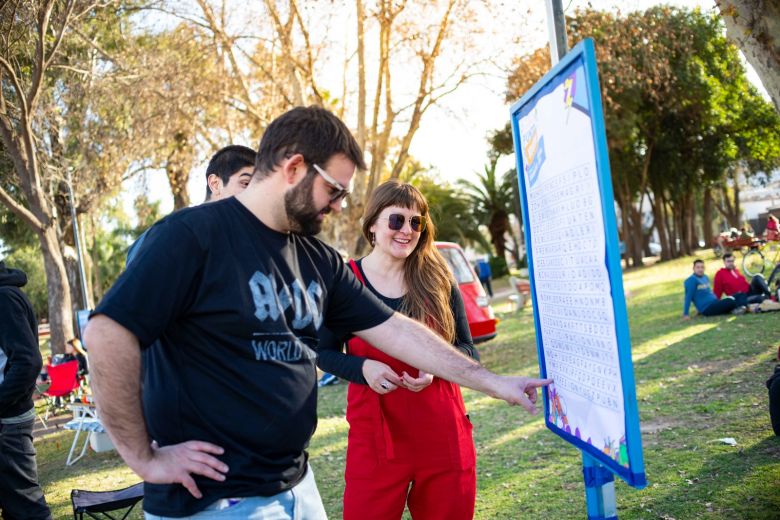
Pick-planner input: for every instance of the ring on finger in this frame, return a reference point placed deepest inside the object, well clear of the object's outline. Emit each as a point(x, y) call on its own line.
point(384, 385)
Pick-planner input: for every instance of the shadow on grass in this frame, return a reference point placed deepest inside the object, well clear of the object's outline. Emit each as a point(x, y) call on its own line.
point(717, 481)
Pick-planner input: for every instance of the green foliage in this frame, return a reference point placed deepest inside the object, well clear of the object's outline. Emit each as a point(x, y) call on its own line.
point(148, 212)
point(498, 266)
point(450, 211)
point(491, 195)
point(113, 238)
point(13, 232)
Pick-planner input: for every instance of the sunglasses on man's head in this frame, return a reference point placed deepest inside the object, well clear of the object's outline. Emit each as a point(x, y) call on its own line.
point(395, 221)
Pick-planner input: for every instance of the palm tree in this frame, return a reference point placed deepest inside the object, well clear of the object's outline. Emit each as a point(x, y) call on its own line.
point(491, 203)
point(451, 211)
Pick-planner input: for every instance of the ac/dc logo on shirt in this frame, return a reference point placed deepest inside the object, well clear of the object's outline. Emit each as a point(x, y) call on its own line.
point(272, 303)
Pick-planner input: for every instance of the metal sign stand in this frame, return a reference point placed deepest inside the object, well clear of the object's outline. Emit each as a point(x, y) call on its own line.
point(599, 489)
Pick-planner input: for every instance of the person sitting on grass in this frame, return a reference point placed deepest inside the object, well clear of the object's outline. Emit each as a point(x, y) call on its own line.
point(729, 281)
point(697, 291)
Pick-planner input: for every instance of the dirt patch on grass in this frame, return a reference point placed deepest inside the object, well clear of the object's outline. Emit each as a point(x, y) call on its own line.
point(662, 423)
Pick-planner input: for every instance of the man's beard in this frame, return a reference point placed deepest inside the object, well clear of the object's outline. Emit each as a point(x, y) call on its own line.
point(301, 211)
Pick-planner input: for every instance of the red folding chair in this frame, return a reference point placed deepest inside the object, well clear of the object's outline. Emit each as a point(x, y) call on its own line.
point(64, 381)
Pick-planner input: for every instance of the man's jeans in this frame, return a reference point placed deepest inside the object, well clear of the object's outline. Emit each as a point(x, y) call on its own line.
point(717, 307)
point(20, 495)
point(302, 502)
point(758, 292)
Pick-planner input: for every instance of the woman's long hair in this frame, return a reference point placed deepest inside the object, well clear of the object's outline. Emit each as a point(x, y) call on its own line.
point(426, 275)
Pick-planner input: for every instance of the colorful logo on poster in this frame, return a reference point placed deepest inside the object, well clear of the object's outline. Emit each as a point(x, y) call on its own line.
point(533, 154)
point(569, 89)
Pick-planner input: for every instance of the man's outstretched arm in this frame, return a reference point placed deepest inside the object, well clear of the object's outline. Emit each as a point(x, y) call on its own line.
point(115, 367)
point(415, 344)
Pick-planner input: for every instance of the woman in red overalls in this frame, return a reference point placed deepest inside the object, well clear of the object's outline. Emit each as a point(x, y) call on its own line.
point(409, 438)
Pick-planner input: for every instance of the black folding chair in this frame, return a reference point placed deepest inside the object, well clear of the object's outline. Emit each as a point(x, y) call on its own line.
point(99, 504)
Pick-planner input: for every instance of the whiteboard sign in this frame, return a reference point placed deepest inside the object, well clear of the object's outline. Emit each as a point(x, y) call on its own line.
point(574, 265)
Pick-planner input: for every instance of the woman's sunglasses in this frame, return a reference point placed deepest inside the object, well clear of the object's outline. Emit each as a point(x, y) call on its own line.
point(395, 221)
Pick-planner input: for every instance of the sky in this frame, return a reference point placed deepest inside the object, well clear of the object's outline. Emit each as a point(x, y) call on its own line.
point(452, 136)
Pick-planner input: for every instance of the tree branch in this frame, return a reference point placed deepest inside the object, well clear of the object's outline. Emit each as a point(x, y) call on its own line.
point(40, 55)
point(58, 38)
point(219, 33)
point(14, 149)
point(92, 43)
point(20, 211)
point(17, 86)
point(309, 57)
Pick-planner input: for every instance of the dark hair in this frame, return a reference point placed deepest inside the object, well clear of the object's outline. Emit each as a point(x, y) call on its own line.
point(227, 161)
point(727, 256)
point(426, 275)
point(697, 261)
point(313, 132)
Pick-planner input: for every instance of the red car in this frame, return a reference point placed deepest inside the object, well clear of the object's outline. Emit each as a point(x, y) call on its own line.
point(482, 321)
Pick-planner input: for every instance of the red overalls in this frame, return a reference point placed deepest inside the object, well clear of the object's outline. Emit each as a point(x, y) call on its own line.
point(422, 438)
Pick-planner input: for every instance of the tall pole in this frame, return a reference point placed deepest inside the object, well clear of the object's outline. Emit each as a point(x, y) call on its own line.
point(77, 242)
point(556, 29)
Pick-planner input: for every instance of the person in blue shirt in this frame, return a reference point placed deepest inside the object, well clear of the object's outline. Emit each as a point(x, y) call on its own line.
point(698, 292)
point(485, 275)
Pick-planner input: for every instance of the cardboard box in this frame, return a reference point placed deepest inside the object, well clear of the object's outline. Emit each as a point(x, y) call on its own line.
point(100, 442)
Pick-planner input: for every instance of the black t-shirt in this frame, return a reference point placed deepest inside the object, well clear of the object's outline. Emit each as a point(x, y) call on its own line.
point(236, 307)
point(333, 360)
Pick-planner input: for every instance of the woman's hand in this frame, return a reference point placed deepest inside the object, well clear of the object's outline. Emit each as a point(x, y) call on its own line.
point(415, 384)
point(380, 377)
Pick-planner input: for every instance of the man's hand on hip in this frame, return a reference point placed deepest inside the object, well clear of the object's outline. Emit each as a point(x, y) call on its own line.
point(178, 462)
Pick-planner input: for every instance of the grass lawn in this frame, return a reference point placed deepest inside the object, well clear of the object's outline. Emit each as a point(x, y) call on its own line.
point(697, 381)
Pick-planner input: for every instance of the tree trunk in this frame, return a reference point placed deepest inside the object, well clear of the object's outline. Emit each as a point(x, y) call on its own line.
point(737, 207)
point(97, 280)
point(499, 223)
point(60, 305)
point(518, 214)
point(659, 221)
point(181, 197)
point(668, 227)
point(694, 243)
point(676, 229)
point(516, 251)
point(623, 235)
point(687, 221)
point(755, 28)
point(707, 216)
point(636, 231)
point(625, 225)
point(361, 52)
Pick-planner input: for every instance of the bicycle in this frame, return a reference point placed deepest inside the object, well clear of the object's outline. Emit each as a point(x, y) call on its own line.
point(762, 256)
